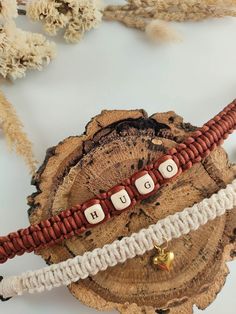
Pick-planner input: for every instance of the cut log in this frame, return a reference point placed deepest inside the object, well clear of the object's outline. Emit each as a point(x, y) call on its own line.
point(115, 145)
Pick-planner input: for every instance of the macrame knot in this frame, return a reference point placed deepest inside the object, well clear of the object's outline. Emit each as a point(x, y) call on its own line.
point(1, 297)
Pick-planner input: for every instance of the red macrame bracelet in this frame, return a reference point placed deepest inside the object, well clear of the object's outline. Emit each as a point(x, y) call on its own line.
point(139, 186)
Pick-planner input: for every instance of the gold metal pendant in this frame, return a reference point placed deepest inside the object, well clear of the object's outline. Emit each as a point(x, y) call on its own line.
point(163, 259)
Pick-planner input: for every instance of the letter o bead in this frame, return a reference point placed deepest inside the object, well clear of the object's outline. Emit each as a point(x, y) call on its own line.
point(168, 169)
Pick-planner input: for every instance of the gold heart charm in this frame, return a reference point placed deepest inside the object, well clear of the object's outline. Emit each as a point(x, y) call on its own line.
point(163, 260)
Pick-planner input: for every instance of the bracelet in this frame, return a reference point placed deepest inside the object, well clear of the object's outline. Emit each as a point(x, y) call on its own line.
point(140, 185)
point(91, 262)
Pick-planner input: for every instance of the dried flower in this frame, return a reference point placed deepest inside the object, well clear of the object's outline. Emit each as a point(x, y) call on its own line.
point(13, 131)
point(20, 51)
point(74, 16)
point(160, 31)
point(137, 13)
point(8, 9)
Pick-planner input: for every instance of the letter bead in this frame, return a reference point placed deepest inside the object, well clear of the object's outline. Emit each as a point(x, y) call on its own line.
point(94, 214)
point(168, 169)
point(145, 184)
point(121, 200)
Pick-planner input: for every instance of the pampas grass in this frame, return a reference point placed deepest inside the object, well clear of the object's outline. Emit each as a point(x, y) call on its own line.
point(16, 138)
point(160, 31)
point(138, 13)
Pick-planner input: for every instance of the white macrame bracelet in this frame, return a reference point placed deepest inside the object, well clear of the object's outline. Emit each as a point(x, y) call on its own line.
point(90, 263)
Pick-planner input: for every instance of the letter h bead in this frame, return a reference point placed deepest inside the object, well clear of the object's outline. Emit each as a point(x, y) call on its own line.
point(94, 212)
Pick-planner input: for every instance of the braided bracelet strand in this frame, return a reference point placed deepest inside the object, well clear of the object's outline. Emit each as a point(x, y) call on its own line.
point(90, 263)
point(141, 185)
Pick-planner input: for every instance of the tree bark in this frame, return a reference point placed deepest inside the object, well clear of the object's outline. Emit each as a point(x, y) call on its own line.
point(115, 145)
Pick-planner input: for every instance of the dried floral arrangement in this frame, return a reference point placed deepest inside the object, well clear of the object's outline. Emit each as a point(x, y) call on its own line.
point(79, 16)
point(22, 50)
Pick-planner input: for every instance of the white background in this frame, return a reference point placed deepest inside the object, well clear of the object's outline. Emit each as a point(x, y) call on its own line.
point(112, 68)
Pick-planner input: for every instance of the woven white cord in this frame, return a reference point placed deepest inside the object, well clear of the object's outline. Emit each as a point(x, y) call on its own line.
point(90, 263)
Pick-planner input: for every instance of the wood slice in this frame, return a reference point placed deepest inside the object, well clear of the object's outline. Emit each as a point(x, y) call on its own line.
point(115, 145)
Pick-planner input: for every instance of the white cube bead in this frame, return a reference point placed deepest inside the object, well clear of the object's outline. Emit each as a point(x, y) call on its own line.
point(145, 184)
point(121, 200)
point(94, 214)
point(168, 169)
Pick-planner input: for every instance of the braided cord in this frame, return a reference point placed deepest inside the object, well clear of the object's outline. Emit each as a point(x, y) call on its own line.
point(90, 263)
point(72, 221)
